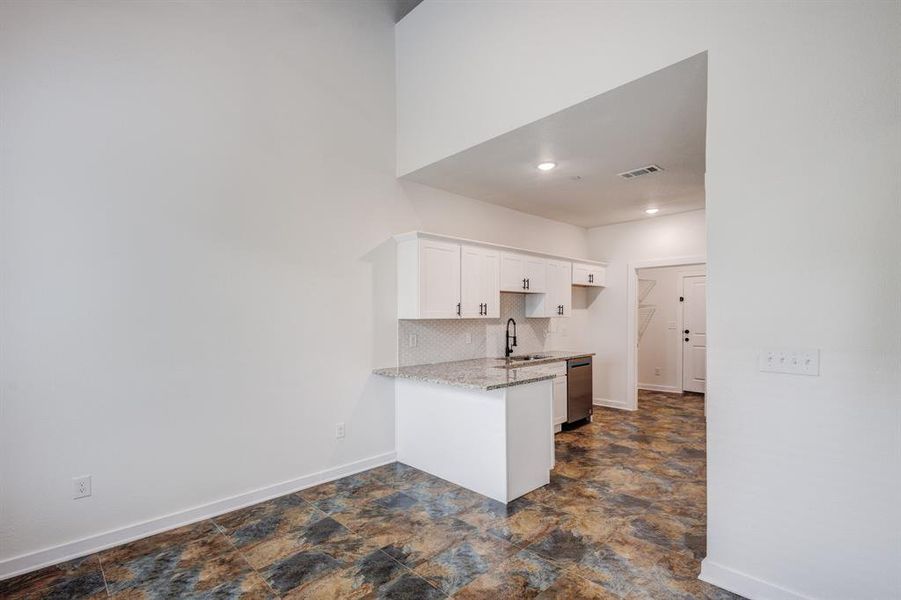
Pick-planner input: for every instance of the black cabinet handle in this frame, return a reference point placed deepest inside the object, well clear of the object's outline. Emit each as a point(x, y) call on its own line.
point(528, 284)
point(458, 309)
point(590, 278)
point(523, 283)
point(486, 309)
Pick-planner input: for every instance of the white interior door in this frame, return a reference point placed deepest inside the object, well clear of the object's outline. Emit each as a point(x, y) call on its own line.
point(694, 333)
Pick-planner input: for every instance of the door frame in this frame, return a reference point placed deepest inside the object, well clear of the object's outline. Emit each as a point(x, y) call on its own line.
point(632, 316)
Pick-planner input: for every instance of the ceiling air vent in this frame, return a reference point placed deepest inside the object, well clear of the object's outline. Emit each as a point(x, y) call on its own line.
point(642, 171)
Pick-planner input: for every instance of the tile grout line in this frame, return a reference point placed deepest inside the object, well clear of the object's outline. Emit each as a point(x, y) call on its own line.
point(408, 570)
point(103, 574)
point(244, 558)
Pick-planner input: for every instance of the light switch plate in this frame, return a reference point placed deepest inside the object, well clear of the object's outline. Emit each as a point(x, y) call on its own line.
point(795, 362)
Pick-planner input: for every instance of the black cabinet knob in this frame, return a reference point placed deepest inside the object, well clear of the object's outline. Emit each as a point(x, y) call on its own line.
point(687, 331)
point(686, 339)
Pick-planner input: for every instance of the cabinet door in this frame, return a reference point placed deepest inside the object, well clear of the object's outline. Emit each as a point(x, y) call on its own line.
point(491, 282)
point(439, 279)
point(471, 287)
point(589, 275)
point(536, 274)
point(479, 283)
point(580, 274)
point(560, 400)
point(559, 295)
point(513, 272)
point(565, 288)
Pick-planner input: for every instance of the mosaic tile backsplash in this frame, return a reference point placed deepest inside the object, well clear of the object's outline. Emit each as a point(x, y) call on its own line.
point(443, 340)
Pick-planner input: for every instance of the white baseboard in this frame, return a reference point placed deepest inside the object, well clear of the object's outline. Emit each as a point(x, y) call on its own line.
point(24, 563)
point(745, 585)
point(611, 403)
point(659, 388)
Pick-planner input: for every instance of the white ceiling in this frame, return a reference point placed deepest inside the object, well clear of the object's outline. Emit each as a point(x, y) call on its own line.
point(659, 119)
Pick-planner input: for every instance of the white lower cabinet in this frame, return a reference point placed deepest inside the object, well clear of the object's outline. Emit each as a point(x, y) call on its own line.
point(560, 400)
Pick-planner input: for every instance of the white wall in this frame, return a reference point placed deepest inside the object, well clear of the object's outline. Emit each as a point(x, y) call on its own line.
point(660, 348)
point(804, 472)
point(196, 270)
point(654, 238)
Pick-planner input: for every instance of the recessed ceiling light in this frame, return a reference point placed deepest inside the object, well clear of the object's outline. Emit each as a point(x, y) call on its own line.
point(652, 211)
point(546, 166)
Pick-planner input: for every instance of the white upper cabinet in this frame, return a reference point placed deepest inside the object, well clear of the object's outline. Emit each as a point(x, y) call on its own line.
point(557, 299)
point(536, 275)
point(589, 275)
point(442, 277)
point(523, 273)
point(428, 279)
point(479, 282)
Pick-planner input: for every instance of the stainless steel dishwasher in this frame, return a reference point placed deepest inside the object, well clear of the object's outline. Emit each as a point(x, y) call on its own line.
point(578, 389)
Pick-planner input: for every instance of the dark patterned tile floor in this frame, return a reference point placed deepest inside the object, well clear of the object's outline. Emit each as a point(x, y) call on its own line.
point(623, 517)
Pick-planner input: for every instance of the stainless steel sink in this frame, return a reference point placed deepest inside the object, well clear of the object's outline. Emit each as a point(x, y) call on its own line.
point(527, 357)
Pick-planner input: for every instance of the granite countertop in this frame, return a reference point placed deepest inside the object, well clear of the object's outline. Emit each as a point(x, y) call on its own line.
point(485, 373)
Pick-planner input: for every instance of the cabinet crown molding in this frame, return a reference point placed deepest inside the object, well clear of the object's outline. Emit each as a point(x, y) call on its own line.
point(413, 235)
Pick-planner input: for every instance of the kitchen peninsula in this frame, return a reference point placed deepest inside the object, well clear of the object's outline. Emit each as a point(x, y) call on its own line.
point(485, 424)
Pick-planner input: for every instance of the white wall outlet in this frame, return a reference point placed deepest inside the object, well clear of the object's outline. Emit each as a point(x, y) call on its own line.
point(468, 337)
point(795, 362)
point(339, 431)
point(670, 324)
point(658, 371)
point(412, 341)
point(81, 487)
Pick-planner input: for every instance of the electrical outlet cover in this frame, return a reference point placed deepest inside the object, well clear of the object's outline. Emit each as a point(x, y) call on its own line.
point(81, 487)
